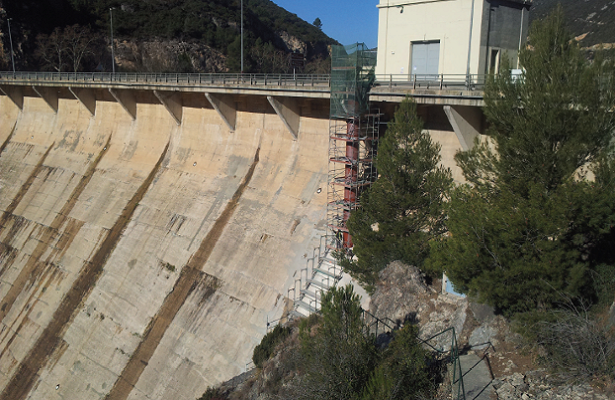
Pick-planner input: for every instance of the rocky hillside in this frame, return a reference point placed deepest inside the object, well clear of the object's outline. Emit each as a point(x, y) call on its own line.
point(510, 367)
point(590, 21)
point(159, 35)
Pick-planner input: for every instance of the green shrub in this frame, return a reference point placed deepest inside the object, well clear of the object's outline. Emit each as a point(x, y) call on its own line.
point(340, 355)
point(404, 370)
point(212, 394)
point(571, 341)
point(264, 350)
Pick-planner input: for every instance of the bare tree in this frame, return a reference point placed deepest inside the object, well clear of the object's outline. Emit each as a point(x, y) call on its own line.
point(268, 59)
point(51, 50)
point(65, 48)
point(79, 44)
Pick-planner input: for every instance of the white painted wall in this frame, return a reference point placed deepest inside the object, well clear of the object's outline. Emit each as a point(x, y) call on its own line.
point(426, 20)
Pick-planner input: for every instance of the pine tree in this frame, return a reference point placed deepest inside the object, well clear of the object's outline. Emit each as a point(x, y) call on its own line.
point(339, 357)
point(317, 23)
point(531, 227)
point(403, 210)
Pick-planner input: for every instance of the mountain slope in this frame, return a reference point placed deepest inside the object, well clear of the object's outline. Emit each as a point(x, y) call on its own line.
point(198, 36)
point(592, 22)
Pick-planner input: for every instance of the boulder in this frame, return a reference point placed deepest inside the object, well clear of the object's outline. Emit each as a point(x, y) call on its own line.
point(482, 337)
point(398, 293)
point(402, 295)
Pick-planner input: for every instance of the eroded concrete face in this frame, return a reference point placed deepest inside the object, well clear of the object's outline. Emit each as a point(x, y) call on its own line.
point(141, 259)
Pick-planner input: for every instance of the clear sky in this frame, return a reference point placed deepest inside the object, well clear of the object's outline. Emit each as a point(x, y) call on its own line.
point(347, 21)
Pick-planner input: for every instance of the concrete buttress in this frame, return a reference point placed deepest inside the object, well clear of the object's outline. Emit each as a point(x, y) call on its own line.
point(105, 217)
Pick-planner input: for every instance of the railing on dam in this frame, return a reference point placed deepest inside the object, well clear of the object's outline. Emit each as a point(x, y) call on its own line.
point(176, 79)
point(305, 81)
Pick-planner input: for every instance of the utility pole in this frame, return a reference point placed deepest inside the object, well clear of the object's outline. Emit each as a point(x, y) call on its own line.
point(242, 36)
point(11, 40)
point(112, 52)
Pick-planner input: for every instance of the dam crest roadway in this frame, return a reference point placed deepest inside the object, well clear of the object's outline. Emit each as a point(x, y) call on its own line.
point(151, 224)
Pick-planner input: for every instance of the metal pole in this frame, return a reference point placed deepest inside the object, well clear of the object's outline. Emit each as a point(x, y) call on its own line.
point(242, 36)
point(470, 41)
point(112, 52)
point(11, 40)
point(520, 36)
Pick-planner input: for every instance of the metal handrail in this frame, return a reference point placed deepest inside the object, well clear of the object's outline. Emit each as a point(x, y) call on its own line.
point(300, 81)
point(175, 79)
point(457, 377)
point(432, 81)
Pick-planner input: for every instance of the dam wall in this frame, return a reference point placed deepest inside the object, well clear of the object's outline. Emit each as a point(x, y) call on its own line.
point(139, 258)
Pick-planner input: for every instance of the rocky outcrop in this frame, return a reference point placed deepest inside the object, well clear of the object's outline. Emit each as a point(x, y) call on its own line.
point(403, 296)
point(158, 55)
point(292, 43)
point(538, 385)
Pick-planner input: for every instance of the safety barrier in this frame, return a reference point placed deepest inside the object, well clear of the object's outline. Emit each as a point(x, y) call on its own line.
point(316, 81)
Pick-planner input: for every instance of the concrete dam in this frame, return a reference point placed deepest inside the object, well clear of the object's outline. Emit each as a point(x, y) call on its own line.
point(147, 237)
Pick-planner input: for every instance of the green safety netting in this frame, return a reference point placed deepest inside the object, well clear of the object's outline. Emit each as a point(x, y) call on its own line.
point(352, 76)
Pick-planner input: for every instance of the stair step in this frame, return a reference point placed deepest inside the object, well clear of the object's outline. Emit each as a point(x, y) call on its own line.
point(306, 306)
point(305, 292)
point(319, 284)
point(328, 260)
point(327, 273)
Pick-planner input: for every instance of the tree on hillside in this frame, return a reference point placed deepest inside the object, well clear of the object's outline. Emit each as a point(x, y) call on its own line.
point(268, 59)
point(403, 210)
point(80, 42)
point(340, 356)
point(66, 48)
point(317, 23)
point(51, 50)
point(530, 226)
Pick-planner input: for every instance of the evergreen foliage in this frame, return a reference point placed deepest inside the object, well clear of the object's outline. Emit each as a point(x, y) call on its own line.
point(265, 349)
point(530, 226)
point(317, 23)
point(215, 23)
point(340, 357)
point(403, 209)
point(403, 372)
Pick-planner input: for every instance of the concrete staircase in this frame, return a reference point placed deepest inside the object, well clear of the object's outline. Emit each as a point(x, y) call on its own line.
point(320, 274)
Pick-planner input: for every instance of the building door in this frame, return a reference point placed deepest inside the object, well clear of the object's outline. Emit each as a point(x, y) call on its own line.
point(425, 60)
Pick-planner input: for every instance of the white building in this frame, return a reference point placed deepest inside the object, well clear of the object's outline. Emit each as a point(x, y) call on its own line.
point(451, 37)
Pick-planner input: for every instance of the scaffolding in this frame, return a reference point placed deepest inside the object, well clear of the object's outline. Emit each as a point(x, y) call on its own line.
point(353, 136)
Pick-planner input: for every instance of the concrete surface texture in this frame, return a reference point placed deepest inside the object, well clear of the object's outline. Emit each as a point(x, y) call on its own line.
point(140, 259)
point(476, 377)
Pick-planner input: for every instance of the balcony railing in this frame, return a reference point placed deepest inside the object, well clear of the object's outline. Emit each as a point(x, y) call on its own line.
point(440, 81)
point(289, 81)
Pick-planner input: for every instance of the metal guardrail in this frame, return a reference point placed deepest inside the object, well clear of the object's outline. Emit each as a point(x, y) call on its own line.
point(458, 390)
point(205, 80)
point(440, 81)
point(304, 81)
